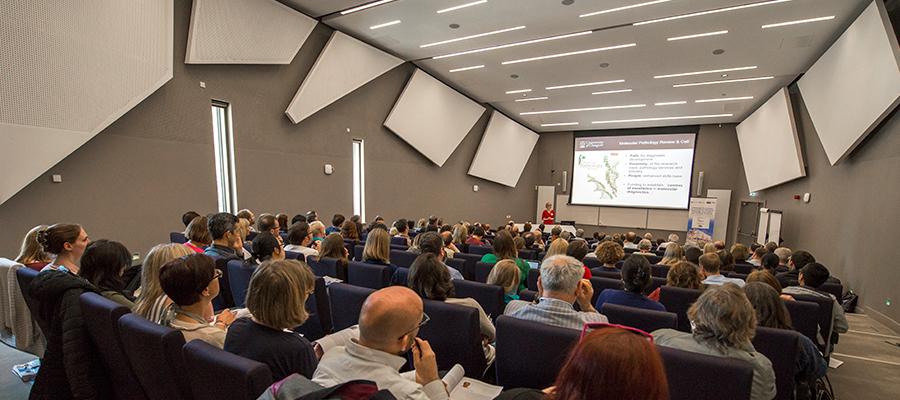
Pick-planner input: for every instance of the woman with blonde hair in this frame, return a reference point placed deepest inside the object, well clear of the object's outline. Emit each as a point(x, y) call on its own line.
point(152, 302)
point(740, 253)
point(460, 234)
point(276, 299)
point(506, 275)
point(709, 248)
point(673, 255)
point(557, 247)
point(378, 249)
point(609, 253)
point(32, 254)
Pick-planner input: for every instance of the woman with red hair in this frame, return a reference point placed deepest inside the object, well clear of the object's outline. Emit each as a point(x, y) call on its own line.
point(610, 362)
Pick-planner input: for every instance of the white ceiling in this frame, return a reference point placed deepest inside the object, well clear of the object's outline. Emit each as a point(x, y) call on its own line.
point(782, 52)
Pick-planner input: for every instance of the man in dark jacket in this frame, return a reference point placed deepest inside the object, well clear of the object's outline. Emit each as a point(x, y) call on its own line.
point(71, 367)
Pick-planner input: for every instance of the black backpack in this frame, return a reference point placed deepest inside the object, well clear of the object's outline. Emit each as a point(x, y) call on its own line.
point(298, 387)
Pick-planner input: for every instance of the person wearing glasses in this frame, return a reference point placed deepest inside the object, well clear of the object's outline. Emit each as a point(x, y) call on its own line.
point(191, 282)
point(388, 325)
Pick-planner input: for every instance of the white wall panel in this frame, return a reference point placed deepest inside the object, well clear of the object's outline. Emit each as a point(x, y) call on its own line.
point(432, 117)
point(503, 136)
point(343, 66)
point(770, 147)
point(855, 84)
point(245, 32)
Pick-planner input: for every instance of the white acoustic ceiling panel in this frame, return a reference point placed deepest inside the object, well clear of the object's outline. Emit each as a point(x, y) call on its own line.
point(69, 69)
point(245, 32)
point(770, 147)
point(855, 84)
point(507, 137)
point(343, 66)
point(432, 117)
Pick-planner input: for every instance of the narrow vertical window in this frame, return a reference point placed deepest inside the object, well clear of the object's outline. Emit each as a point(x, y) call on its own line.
point(223, 141)
point(359, 179)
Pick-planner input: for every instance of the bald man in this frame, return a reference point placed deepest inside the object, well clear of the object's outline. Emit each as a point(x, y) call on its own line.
point(388, 324)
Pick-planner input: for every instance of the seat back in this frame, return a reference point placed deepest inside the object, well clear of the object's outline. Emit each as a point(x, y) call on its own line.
point(217, 374)
point(401, 277)
point(605, 273)
point(399, 241)
point(239, 274)
point(460, 265)
point(368, 275)
point(455, 333)
point(324, 267)
point(645, 320)
point(529, 354)
point(805, 318)
point(358, 252)
point(528, 254)
point(825, 319)
point(177, 237)
point(659, 270)
point(744, 268)
point(319, 307)
point(527, 295)
point(154, 353)
point(601, 284)
point(482, 270)
point(533, 275)
point(224, 299)
point(490, 297)
point(470, 259)
point(480, 250)
point(782, 348)
point(592, 262)
point(734, 378)
point(101, 318)
point(346, 303)
point(836, 289)
point(678, 300)
point(403, 258)
point(293, 255)
point(654, 284)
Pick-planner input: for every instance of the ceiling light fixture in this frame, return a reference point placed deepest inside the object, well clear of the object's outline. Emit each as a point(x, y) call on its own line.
point(560, 124)
point(532, 99)
point(669, 103)
point(615, 121)
point(394, 22)
point(503, 46)
point(697, 35)
point(715, 11)
point(454, 8)
point(760, 78)
point(723, 99)
point(583, 109)
point(571, 53)
point(473, 36)
point(649, 3)
point(467, 68)
point(584, 84)
point(365, 6)
point(712, 71)
point(612, 91)
point(518, 91)
point(799, 21)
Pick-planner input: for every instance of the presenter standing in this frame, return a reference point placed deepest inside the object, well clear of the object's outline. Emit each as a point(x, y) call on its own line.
point(549, 214)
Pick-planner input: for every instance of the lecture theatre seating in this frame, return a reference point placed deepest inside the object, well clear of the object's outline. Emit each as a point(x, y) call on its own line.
point(319, 307)
point(645, 320)
point(530, 354)
point(154, 353)
point(346, 303)
point(101, 318)
point(733, 378)
point(804, 318)
point(454, 333)
point(482, 270)
point(480, 250)
point(678, 300)
point(659, 270)
point(324, 267)
point(825, 319)
point(605, 273)
point(470, 260)
point(782, 348)
point(368, 275)
point(462, 266)
point(217, 374)
point(402, 258)
point(601, 284)
point(178, 237)
point(490, 297)
point(239, 275)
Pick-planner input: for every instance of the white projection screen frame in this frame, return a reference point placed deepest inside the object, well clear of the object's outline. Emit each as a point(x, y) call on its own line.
point(503, 136)
point(650, 170)
point(770, 146)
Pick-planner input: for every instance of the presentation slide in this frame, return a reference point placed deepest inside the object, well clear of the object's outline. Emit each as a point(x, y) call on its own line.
point(648, 171)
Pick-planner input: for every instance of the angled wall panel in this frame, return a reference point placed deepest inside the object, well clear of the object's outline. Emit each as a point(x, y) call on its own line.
point(245, 32)
point(344, 65)
point(432, 117)
point(70, 70)
point(770, 147)
point(503, 136)
point(855, 84)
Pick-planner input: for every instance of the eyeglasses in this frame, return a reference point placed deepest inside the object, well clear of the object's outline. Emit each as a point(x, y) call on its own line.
point(216, 275)
point(425, 319)
point(592, 326)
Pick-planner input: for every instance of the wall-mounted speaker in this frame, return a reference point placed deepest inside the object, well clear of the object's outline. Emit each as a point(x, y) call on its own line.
point(699, 190)
point(565, 181)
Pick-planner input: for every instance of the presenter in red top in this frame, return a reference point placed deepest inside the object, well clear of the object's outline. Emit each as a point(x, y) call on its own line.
point(549, 214)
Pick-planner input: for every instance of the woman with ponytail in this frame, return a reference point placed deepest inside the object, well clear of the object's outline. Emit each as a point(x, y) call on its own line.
point(266, 246)
point(32, 254)
point(65, 243)
point(636, 279)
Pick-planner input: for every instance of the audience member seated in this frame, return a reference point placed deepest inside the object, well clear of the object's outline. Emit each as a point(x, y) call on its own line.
point(740, 253)
point(32, 254)
point(333, 247)
point(299, 240)
point(559, 286)
point(506, 274)
point(477, 237)
point(811, 277)
point(317, 230)
point(672, 239)
point(771, 313)
point(242, 229)
point(798, 260)
point(192, 282)
point(449, 248)
point(636, 278)
point(223, 229)
point(557, 247)
point(249, 216)
point(350, 231)
point(771, 263)
point(758, 254)
point(378, 249)
point(709, 270)
point(692, 254)
point(784, 255)
point(610, 362)
point(282, 222)
point(644, 247)
point(388, 324)
point(337, 221)
point(771, 246)
point(555, 234)
point(429, 279)
point(102, 264)
point(727, 261)
point(403, 230)
point(709, 248)
point(609, 253)
point(505, 249)
point(631, 241)
point(674, 254)
point(578, 250)
point(683, 275)
point(197, 234)
point(265, 247)
point(276, 300)
point(313, 216)
point(766, 277)
point(152, 301)
point(431, 242)
point(187, 217)
point(460, 235)
point(268, 223)
point(299, 218)
point(720, 245)
point(724, 323)
point(66, 243)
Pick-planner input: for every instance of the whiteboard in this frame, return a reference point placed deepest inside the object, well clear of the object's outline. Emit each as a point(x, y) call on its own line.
point(580, 214)
point(668, 220)
point(723, 205)
point(774, 226)
point(763, 229)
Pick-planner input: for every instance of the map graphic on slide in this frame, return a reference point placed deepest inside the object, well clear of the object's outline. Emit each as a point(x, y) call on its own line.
point(609, 190)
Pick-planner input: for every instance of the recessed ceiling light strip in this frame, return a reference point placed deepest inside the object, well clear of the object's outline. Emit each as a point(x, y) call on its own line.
point(760, 78)
point(723, 99)
point(571, 53)
point(503, 46)
point(532, 99)
point(697, 35)
point(394, 22)
point(712, 71)
point(612, 91)
point(467, 68)
point(715, 11)
point(800, 21)
point(649, 3)
point(365, 6)
point(518, 91)
point(454, 8)
point(574, 85)
point(515, 28)
point(669, 103)
point(560, 124)
point(616, 121)
point(583, 109)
